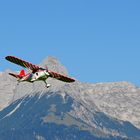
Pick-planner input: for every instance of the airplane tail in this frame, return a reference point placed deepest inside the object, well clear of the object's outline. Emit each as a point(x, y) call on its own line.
point(22, 73)
point(19, 76)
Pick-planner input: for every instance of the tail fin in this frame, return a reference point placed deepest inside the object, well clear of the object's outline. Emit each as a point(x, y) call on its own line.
point(19, 76)
point(22, 73)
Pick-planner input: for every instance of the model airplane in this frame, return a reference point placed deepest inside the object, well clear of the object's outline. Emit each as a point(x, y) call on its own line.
point(36, 73)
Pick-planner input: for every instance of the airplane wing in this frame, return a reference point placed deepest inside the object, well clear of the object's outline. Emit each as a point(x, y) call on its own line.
point(60, 77)
point(22, 63)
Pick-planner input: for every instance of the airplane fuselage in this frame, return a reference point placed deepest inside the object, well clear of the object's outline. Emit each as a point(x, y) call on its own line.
point(39, 75)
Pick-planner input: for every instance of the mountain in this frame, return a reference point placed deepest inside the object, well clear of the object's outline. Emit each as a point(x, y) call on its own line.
point(77, 111)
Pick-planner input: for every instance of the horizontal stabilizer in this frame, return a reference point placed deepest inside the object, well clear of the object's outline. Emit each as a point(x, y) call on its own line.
point(15, 75)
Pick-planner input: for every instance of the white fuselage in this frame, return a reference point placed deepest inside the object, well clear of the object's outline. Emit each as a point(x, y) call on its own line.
point(39, 75)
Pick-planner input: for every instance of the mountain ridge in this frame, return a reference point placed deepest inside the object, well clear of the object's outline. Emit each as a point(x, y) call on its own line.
point(112, 109)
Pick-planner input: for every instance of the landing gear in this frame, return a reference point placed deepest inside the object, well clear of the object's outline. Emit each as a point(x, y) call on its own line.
point(18, 81)
point(47, 85)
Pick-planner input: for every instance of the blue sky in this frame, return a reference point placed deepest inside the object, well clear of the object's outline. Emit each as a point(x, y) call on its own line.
point(97, 40)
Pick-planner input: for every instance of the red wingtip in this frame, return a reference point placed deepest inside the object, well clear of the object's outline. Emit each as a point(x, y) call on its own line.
point(22, 73)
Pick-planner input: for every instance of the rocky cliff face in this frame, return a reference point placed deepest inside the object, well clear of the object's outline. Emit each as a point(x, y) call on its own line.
point(68, 111)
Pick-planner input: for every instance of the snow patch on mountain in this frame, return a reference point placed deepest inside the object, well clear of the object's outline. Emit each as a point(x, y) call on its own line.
point(14, 110)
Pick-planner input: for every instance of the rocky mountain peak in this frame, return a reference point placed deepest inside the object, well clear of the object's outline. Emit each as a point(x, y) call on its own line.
point(119, 100)
point(53, 64)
